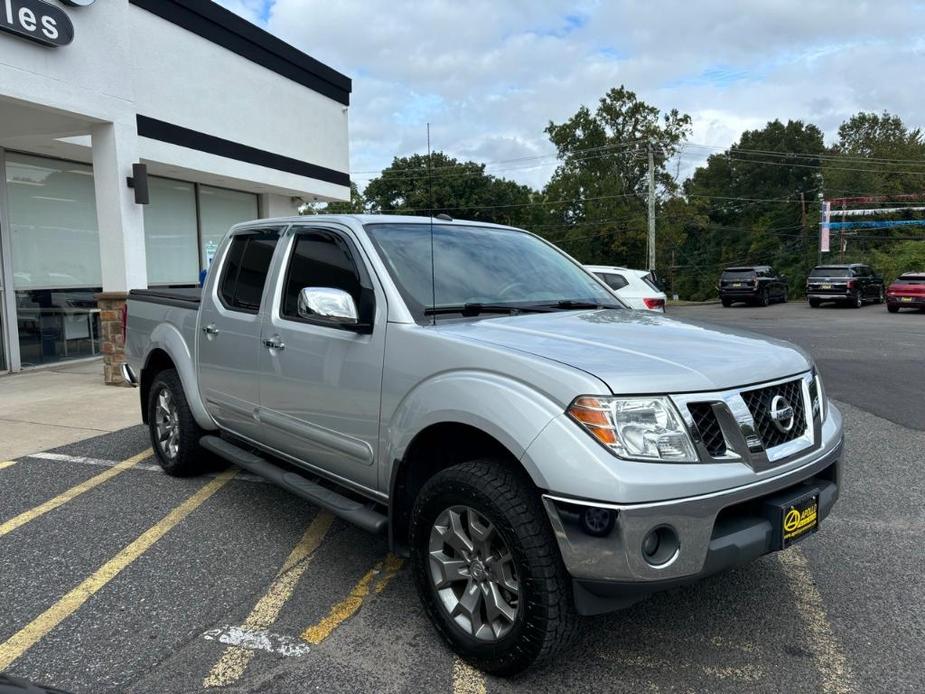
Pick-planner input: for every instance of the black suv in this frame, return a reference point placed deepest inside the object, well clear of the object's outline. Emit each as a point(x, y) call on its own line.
point(757, 284)
point(847, 284)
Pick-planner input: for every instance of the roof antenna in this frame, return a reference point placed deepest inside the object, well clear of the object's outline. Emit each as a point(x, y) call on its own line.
point(430, 195)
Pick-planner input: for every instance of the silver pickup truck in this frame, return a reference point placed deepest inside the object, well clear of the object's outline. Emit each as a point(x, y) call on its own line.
point(540, 451)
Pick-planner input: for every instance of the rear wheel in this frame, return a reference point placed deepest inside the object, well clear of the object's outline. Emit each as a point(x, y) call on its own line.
point(174, 432)
point(814, 303)
point(764, 299)
point(858, 300)
point(880, 298)
point(487, 567)
point(727, 303)
point(892, 308)
point(783, 297)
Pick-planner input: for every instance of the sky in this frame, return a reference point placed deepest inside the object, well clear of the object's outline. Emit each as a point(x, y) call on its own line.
point(489, 75)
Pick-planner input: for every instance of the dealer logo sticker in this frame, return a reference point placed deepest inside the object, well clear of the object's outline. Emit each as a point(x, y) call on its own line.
point(797, 522)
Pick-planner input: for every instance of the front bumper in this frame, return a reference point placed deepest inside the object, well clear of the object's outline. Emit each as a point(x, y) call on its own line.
point(715, 531)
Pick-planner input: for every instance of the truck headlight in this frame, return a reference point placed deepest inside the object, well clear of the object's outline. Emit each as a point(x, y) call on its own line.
point(637, 428)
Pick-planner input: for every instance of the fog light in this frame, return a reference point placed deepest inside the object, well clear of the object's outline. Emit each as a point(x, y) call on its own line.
point(660, 546)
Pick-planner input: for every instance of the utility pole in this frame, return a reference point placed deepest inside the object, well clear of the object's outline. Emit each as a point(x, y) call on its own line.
point(651, 242)
point(803, 224)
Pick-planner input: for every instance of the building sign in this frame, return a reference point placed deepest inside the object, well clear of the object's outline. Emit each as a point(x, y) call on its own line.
point(36, 21)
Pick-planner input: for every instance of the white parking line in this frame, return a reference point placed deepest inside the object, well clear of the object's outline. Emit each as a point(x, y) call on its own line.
point(830, 659)
point(102, 462)
point(258, 640)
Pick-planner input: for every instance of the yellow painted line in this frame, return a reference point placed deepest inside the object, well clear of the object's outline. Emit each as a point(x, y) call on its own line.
point(466, 679)
point(234, 661)
point(62, 498)
point(39, 627)
point(347, 607)
point(821, 640)
point(7, 463)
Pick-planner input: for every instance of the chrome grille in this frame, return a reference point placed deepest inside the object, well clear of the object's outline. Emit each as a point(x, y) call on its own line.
point(759, 404)
point(708, 427)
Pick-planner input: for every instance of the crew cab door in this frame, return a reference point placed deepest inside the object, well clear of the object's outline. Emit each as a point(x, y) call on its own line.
point(320, 385)
point(229, 329)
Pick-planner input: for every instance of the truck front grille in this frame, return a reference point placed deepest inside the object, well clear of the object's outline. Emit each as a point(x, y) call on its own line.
point(759, 403)
point(708, 427)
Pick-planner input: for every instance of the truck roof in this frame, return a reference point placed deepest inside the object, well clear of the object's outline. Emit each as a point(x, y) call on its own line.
point(369, 219)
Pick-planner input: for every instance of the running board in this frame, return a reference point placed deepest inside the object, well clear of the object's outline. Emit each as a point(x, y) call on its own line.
point(341, 506)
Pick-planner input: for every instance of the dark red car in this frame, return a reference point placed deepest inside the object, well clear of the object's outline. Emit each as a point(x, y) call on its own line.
point(907, 291)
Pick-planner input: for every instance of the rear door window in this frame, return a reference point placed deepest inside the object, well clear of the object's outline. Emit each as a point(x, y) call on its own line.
point(245, 271)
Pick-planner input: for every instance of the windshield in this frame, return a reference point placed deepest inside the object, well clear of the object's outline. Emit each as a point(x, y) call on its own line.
point(481, 265)
point(830, 272)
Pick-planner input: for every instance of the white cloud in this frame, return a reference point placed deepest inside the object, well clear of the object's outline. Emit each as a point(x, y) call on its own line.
point(489, 75)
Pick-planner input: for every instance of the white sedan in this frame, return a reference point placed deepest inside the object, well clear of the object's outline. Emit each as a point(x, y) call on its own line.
point(635, 288)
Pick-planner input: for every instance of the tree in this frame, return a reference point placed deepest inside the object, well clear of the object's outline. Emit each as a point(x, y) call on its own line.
point(596, 199)
point(877, 155)
point(894, 152)
point(442, 184)
point(356, 204)
point(748, 203)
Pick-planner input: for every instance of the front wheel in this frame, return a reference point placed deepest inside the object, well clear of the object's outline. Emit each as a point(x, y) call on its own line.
point(487, 567)
point(174, 432)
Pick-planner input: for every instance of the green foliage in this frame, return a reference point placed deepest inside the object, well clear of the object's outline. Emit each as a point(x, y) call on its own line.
point(597, 196)
point(750, 210)
point(356, 204)
point(442, 184)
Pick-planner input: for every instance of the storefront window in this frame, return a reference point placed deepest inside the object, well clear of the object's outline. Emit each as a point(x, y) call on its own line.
point(219, 210)
point(170, 233)
point(56, 257)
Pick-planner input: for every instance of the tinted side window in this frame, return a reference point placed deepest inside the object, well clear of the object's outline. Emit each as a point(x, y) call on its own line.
point(246, 271)
point(319, 259)
point(614, 281)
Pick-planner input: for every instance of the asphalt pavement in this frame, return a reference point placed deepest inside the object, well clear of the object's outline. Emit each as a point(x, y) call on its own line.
point(119, 578)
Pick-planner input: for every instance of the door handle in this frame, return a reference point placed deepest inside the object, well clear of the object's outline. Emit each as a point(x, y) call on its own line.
point(274, 343)
point(210, 329)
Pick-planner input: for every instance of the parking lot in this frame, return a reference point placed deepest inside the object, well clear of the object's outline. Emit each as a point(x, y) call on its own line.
point(115, 577)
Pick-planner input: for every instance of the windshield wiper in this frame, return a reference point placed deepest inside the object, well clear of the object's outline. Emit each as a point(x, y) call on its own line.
point(571, 304)
point(474, 309)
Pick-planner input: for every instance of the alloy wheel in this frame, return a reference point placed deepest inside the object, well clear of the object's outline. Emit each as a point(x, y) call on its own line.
point(167, 424)
point(473, 573)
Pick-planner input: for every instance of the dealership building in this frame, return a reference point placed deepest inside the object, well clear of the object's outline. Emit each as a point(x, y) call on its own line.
point(223, 121)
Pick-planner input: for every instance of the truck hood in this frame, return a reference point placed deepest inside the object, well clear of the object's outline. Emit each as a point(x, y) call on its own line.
point(640, 351)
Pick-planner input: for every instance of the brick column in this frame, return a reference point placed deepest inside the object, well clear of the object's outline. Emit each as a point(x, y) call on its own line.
point(113, 345)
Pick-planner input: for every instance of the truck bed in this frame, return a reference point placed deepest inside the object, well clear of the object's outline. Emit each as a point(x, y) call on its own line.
point(188, 297)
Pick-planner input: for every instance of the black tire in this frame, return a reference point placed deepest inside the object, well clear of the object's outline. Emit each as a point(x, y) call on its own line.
point(545, 619)
point(858, 300)
point(727, 303)
point(784, 296)
point(892, 308)
point(880, 297)
point(189, 459)
point(814, 303)
point(764, 299)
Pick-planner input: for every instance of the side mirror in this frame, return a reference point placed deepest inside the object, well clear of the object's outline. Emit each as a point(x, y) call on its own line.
point(327, 305)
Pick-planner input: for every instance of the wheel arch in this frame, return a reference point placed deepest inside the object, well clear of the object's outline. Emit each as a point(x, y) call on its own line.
point(435, 448)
